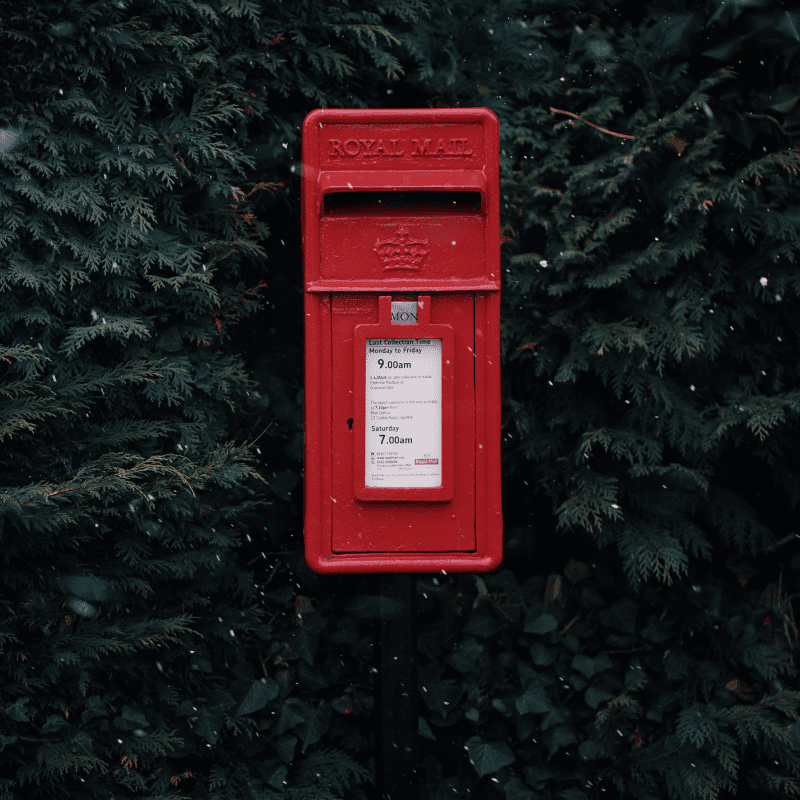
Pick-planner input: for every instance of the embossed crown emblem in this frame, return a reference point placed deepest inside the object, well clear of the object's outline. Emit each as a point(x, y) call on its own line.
point(402, 252)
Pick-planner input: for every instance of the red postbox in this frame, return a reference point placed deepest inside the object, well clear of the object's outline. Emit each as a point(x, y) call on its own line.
point(401, 242)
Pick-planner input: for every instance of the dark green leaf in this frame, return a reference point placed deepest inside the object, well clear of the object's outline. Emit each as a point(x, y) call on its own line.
point(54, 723)
point(442, 696)
point(277, 776)
point(533, 700)
point(588, 749)
point(294, 711)
point(542, 624)
point(465, 655)
point(554, 717)
point(621, 615)
point(789, 24)
point(488, 757)
point(784, 99)
point(541, 655)
point(130, 718)
point(583, 664)
point(186, 708)
point(515, 789)
point(482, 625)
point(560, 737)
point(313, 727)
point(82, 743)
point(209, 725)
point(18, 711)
point(425, 729)
point(285, 745)
point(258, 695)
point(537, 775)
point(602, 662)
point(724, 51)
point(594, 697)
point(94, 708)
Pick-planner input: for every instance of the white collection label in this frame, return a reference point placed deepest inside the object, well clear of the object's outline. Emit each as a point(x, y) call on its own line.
point(403, 436)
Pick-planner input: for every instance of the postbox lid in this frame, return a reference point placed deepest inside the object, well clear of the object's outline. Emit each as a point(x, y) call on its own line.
point(401, 199)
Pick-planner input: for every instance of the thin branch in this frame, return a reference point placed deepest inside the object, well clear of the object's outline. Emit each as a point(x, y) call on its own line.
point(570, 623)
point(787, 538)
point(767, 116)
point(580, 119)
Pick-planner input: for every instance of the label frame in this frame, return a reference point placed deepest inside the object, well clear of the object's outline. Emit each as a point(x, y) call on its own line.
point(384, 329)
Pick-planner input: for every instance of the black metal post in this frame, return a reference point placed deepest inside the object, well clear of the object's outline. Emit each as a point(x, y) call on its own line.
point(396, 735)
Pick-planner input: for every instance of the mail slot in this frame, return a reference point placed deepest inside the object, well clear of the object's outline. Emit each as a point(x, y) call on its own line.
point(401, 249)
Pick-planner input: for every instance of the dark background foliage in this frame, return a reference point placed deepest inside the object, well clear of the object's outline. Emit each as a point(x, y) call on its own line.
point(161, 632)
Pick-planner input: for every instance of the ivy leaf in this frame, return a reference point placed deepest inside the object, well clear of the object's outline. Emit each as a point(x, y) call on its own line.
point(465, 655)
point(130, 718)
point(538, 775)
point(285, 745)
point(790, 25)
point(542, 656)
point(594, 697)
point(18, 711)
point(82, 743)
point(425, 729)
point(560, 737)
point(621, 615)
point(276, 774)
point(556, 716)
point(314, 726)
point(94, 708)
point(482, 625)
point(588, 749)
point(305, 642)
point(722, 52)
point(442, 696)
point(542, 624)
point(602, 662)
point(208, 726)
point(584, 665)
point(292, 714)
point(533, 701)
point(54, 722)
point(488, 757)
point(210, 719)
point(515, 789)
point(259, 694)
point(185, 709)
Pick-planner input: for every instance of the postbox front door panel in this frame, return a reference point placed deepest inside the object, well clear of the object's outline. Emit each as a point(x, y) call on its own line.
point(413, 524)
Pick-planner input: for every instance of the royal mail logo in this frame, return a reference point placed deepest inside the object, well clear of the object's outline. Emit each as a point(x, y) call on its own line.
point(398, 148)
point(402, 252)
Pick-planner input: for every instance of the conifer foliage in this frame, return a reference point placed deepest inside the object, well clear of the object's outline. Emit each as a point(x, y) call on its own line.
point(650, 164)
point(138, 654)
point(160, 634)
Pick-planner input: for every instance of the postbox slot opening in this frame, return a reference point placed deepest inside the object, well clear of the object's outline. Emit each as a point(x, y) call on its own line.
point(355, 203)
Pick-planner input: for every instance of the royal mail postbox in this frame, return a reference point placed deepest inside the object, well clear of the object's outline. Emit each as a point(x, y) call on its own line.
point(401, 246)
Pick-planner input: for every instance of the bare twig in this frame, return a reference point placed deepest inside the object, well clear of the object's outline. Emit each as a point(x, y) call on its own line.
point(767, 116)
point(580, 119)
point(787, 538)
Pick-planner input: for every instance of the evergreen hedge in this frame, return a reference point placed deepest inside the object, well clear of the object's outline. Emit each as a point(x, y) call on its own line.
point(161, 634)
